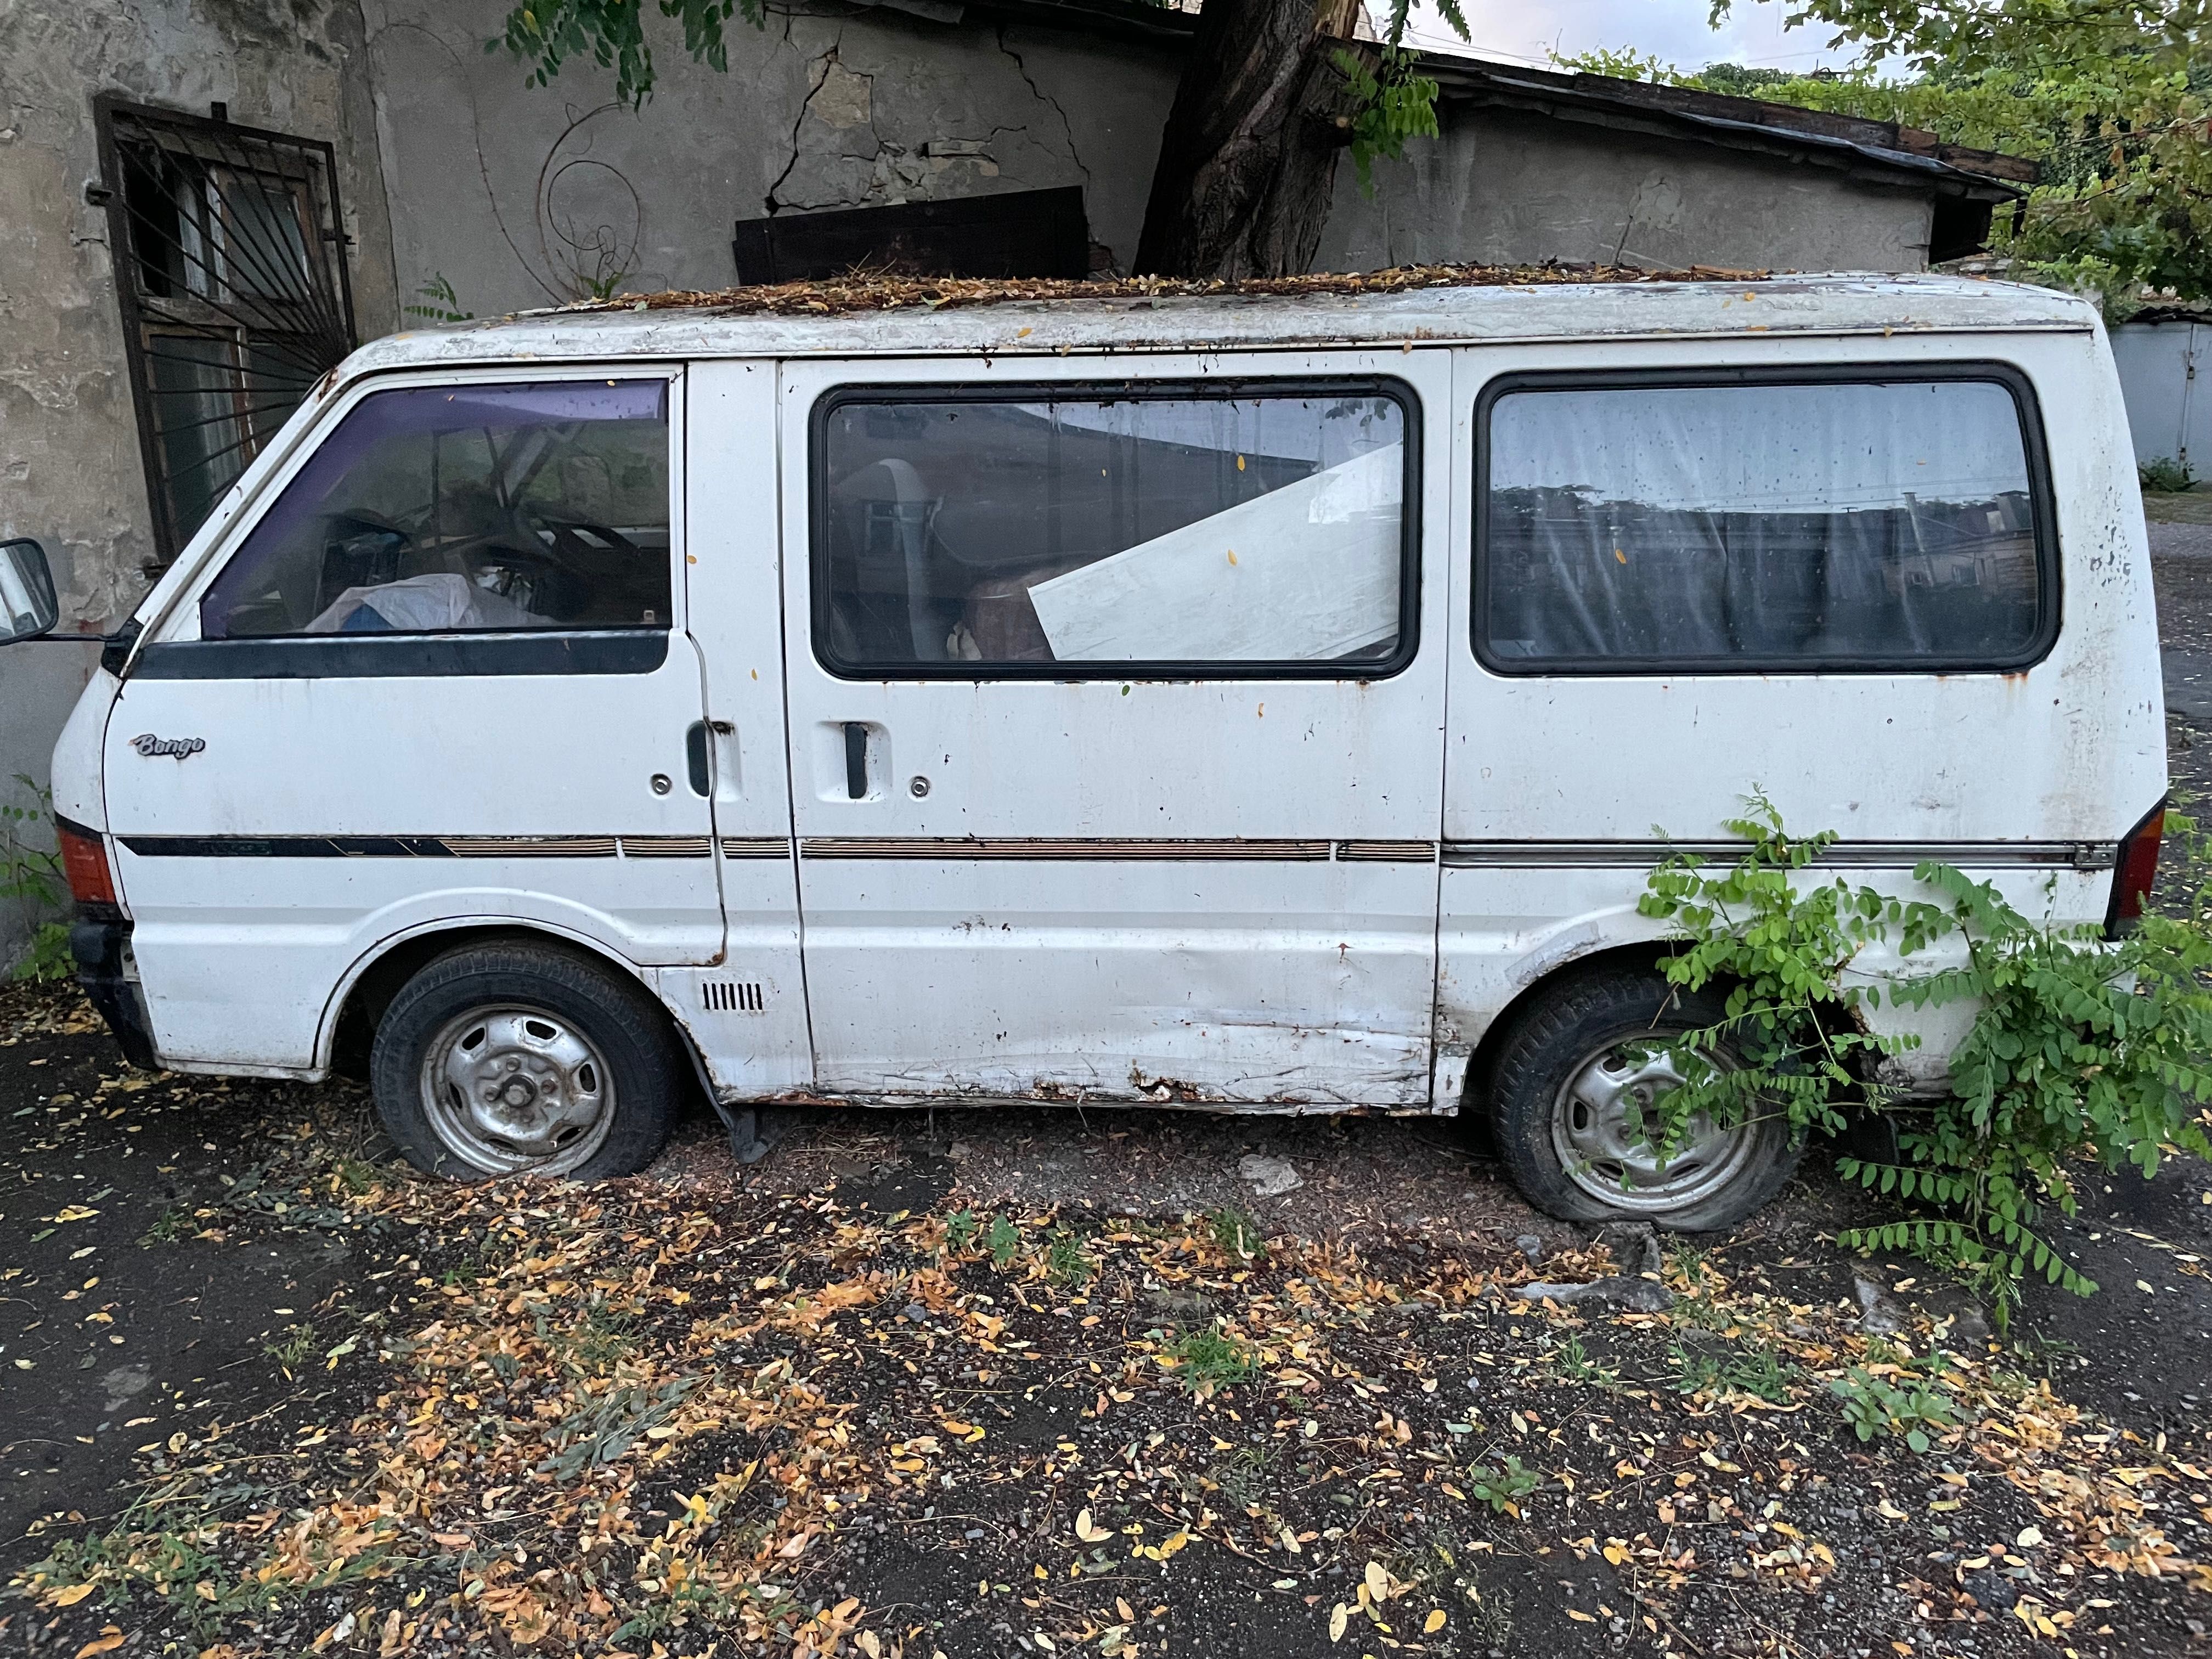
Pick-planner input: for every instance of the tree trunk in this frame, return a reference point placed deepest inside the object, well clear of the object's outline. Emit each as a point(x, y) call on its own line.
point(1248, 159)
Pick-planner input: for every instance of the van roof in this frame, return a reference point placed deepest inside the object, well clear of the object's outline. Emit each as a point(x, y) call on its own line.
point(880, 316)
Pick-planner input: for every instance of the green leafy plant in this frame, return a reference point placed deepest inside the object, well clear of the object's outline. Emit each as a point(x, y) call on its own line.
point(1392, 105)
point(1003, 1241)
point(1237, 1234)
point(2165, 475)
point(1210, 1359)
point(1756, 1370)
point(436, 302)
point(292, 1352)
point(1066, 1261)
point(2081, 1048)
point(1903, 1399)
point(31, 876)
point(960, 1230)
point(1574, 1364)
point(1502, 1488)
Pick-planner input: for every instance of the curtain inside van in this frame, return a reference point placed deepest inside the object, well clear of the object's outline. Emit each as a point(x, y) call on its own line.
point(1823, 524)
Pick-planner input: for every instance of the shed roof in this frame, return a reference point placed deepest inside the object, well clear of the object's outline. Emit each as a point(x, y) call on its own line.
point(1886, 151)
point(1434, 304)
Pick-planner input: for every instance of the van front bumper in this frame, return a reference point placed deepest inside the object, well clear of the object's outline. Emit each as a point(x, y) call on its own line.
point(102, 947)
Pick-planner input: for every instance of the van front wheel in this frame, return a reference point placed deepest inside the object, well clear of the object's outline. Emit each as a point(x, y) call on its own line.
point(1571, 1077)
point(506, 1060)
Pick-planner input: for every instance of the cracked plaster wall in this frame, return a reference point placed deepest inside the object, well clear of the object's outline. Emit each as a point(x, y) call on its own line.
point(1517, 190)
point(523, 195)
point(70, 468)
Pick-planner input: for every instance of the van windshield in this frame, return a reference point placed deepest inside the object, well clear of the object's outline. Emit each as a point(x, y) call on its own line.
point(472, 508)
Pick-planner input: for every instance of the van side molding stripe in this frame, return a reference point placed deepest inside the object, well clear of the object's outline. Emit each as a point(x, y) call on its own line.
point(441, 847)
point(1084, 849)
point(2082, 855)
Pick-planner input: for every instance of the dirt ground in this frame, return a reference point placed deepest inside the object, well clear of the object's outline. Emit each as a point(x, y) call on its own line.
point(1050, 1382)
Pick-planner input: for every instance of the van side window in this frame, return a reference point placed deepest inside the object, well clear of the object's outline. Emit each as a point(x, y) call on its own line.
point(1839, 524)
point(465, 508)
point(1223, 530)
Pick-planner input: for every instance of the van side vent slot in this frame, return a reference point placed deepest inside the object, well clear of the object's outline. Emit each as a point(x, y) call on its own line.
point(725, 996)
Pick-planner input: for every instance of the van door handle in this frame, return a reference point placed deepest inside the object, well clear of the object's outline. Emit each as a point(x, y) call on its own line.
point(694, 755)
point(856, 761)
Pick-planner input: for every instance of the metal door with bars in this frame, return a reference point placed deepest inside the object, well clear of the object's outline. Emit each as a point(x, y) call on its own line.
point(230, 267)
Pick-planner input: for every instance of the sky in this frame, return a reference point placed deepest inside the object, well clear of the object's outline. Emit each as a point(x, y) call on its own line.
point(1527, 31)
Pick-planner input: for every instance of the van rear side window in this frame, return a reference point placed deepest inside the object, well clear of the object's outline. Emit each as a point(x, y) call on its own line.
point(1072, 531)
point(466, 509)
point(1844, 524)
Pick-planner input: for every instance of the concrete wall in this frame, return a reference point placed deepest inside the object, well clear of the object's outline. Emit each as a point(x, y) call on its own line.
point(69, 470)
point(519, 196)
point(1508, 189)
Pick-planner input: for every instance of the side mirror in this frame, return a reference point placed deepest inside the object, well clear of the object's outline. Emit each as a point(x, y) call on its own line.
point(28, 606)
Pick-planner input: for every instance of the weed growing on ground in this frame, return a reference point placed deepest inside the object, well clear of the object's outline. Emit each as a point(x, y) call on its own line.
point(1756, 1370)
point(1237, 1234)
point(960, 1230)
point(1210, 1359)
point(1502, 1488)
point(1003, 1241)
point(2164, 475)
point(1902, 1398)
point(1574, 1364)
point(292, 1352)
point(1066, 1261)
point(32, 876)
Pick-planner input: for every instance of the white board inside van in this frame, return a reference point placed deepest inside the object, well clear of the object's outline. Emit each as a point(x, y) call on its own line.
point(1306, 573)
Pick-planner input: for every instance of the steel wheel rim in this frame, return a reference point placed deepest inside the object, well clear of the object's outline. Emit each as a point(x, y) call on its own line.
point(1601, 1154)
point(513, 1089)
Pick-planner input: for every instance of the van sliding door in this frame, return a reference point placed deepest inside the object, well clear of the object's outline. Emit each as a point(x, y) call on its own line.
point(1116, 725)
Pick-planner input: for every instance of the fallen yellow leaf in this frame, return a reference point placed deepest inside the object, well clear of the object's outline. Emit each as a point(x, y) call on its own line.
point(1088, 1531)
point(1580, 1617)
point(1434, 1622)
point(1338, 1619)
point(72, 1596)
point(107, 1642)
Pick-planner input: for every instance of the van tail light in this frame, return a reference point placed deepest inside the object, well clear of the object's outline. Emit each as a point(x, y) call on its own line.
point(84, 862)
point(2133, 871)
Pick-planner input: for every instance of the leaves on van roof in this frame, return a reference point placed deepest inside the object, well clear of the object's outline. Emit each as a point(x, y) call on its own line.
point(865, 291)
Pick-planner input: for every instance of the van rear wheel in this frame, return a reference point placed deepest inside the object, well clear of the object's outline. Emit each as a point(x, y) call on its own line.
point(1570, 1077)
point(503, 1059)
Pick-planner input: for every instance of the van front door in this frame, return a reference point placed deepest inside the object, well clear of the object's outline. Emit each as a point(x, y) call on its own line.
point(1116, 725)
point(443, 681)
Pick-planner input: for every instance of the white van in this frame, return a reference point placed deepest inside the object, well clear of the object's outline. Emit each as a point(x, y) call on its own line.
point(1266, 704)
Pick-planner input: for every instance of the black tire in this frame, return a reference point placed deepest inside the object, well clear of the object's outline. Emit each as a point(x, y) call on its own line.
point(1560, 1032)
point(618, 1023)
